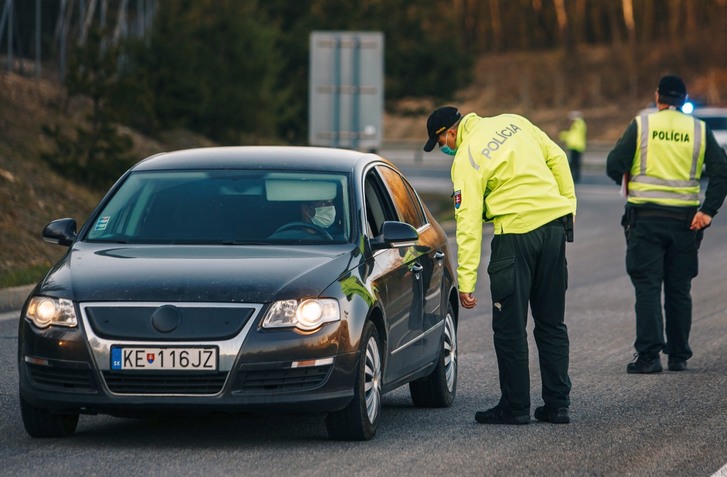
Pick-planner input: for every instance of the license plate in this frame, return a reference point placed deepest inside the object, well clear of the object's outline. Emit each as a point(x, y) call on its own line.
point(164, 359)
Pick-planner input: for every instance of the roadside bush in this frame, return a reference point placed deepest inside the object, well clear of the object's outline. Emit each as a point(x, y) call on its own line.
point(94, 152)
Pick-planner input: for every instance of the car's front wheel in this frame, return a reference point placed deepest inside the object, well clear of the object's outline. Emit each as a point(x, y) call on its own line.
point(440, 387)
point(40, 422)
point(358, 421)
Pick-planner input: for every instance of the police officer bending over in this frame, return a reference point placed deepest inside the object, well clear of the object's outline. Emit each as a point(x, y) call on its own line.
point(660, 156)
point(508, 172)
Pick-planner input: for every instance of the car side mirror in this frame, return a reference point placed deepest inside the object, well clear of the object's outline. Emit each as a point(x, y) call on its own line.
point(395, 235)
point(60, 232)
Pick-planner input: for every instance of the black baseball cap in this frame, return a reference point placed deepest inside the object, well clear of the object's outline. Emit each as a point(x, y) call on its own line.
point(439, 121)
point(672, 90)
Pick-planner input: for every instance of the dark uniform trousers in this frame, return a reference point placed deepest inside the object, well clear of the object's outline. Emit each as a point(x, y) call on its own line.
point(530, 268)
point(574, 160)
point(662, 250)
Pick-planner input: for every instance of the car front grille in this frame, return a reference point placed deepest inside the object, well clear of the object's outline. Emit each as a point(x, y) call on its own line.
point(60, 378)
point(294, 379)
point(164, 383)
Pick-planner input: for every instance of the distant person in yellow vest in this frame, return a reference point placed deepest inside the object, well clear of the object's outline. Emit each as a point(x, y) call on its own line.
point(660, 156)
point(575, 142)
point(509, 172)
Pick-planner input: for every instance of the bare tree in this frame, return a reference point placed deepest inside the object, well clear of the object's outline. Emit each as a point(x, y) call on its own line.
point(561, 15)
point(579, 22)
point(120, 21)
point(496, 24)
point(646, 26)
point(613, 18)
point(538, 35)
point(87, 22)
point(628, 13)
point(675, 19)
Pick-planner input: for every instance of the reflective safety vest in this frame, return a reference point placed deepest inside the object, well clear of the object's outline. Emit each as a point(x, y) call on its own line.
point(510, 172)
point(668, 160)
point(575, 136)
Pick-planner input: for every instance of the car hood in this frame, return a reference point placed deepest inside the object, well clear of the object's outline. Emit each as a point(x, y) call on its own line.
point(103, 272)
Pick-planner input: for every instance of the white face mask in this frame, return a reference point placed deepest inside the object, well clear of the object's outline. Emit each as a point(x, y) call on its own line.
point(324, 216)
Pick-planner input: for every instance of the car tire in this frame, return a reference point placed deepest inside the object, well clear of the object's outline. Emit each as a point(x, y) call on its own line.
point(40, 422)
point(359, 419)
point(440, 387)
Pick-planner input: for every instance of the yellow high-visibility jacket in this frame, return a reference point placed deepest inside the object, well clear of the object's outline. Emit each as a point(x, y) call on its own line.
point(575, 137)
point(668, 160)
point(509, 172)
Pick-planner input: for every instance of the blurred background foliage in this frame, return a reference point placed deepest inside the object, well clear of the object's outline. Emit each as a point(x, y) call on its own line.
point(236, 71)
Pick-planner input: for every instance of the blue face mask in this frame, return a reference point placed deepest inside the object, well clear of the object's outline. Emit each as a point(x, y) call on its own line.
point(448, 150)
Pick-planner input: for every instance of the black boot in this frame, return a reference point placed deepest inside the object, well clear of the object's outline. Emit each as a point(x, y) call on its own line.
point(555, 415)
point(497, 415)
point(676, 364)
point(644, 364)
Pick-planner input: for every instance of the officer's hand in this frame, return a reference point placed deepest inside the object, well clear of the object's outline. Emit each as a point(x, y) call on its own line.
point(700, 221)
point(467, 300)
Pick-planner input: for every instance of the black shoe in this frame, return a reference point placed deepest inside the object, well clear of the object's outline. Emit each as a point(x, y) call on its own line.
point(496, 415)
point(644, 364)
point(676, 364)
point(556, 415)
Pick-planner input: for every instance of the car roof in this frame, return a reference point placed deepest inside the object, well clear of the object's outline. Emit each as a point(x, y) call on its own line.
point(260, 157)
point(704, 111)
point(710, 112)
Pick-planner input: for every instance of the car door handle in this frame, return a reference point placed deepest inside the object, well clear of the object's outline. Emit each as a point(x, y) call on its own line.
point(439, 255)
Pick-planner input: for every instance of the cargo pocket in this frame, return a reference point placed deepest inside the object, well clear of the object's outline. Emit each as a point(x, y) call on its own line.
point(502, 278)
point(634, 262)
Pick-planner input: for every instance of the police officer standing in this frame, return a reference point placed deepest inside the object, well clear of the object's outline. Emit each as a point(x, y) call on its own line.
point(575, 142)
point(508, 172)
point(660, 156)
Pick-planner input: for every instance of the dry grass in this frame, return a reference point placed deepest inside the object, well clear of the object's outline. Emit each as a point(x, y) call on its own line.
point(31, 194)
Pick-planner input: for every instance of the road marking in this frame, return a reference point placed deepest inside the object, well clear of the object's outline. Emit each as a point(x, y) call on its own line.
point(721, 472)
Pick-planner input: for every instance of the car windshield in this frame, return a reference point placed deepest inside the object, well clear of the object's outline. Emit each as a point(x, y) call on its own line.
point(226, 207)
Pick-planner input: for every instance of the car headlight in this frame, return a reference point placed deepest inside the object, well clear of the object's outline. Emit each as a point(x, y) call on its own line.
point(305, 315)
point(44, 311)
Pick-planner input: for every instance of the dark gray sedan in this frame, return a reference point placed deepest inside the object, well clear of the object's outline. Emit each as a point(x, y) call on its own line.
point(241, 279)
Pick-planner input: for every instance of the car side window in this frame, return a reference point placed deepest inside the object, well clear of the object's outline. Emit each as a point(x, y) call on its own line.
point(378, 205)
point(405, 198)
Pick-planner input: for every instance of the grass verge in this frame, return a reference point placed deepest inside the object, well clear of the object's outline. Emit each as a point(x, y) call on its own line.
point(25, 276)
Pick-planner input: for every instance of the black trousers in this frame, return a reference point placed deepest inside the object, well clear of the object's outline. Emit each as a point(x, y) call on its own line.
point(530, 269)
point(574, 160)
point(662, 251)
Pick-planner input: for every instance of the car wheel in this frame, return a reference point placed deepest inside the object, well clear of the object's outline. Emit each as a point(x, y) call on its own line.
point(440, 387)
point(42, 423)
point(358, 421)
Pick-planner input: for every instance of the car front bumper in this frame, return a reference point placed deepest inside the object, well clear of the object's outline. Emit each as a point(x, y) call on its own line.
point(67, 369)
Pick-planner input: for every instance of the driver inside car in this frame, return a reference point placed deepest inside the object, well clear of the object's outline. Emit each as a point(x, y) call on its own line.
point(321, 213)
point(318, 221)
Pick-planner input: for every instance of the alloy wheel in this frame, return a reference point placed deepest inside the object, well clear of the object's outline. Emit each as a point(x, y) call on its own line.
point(372, 383)
point(450, 352)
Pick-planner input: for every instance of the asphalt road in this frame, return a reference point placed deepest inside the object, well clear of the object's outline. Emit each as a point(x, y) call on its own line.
point(670, 424)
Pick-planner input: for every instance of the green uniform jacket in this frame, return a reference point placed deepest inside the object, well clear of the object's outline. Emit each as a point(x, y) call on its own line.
point(575, 137)
point(623, 158)
point(509, 172)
